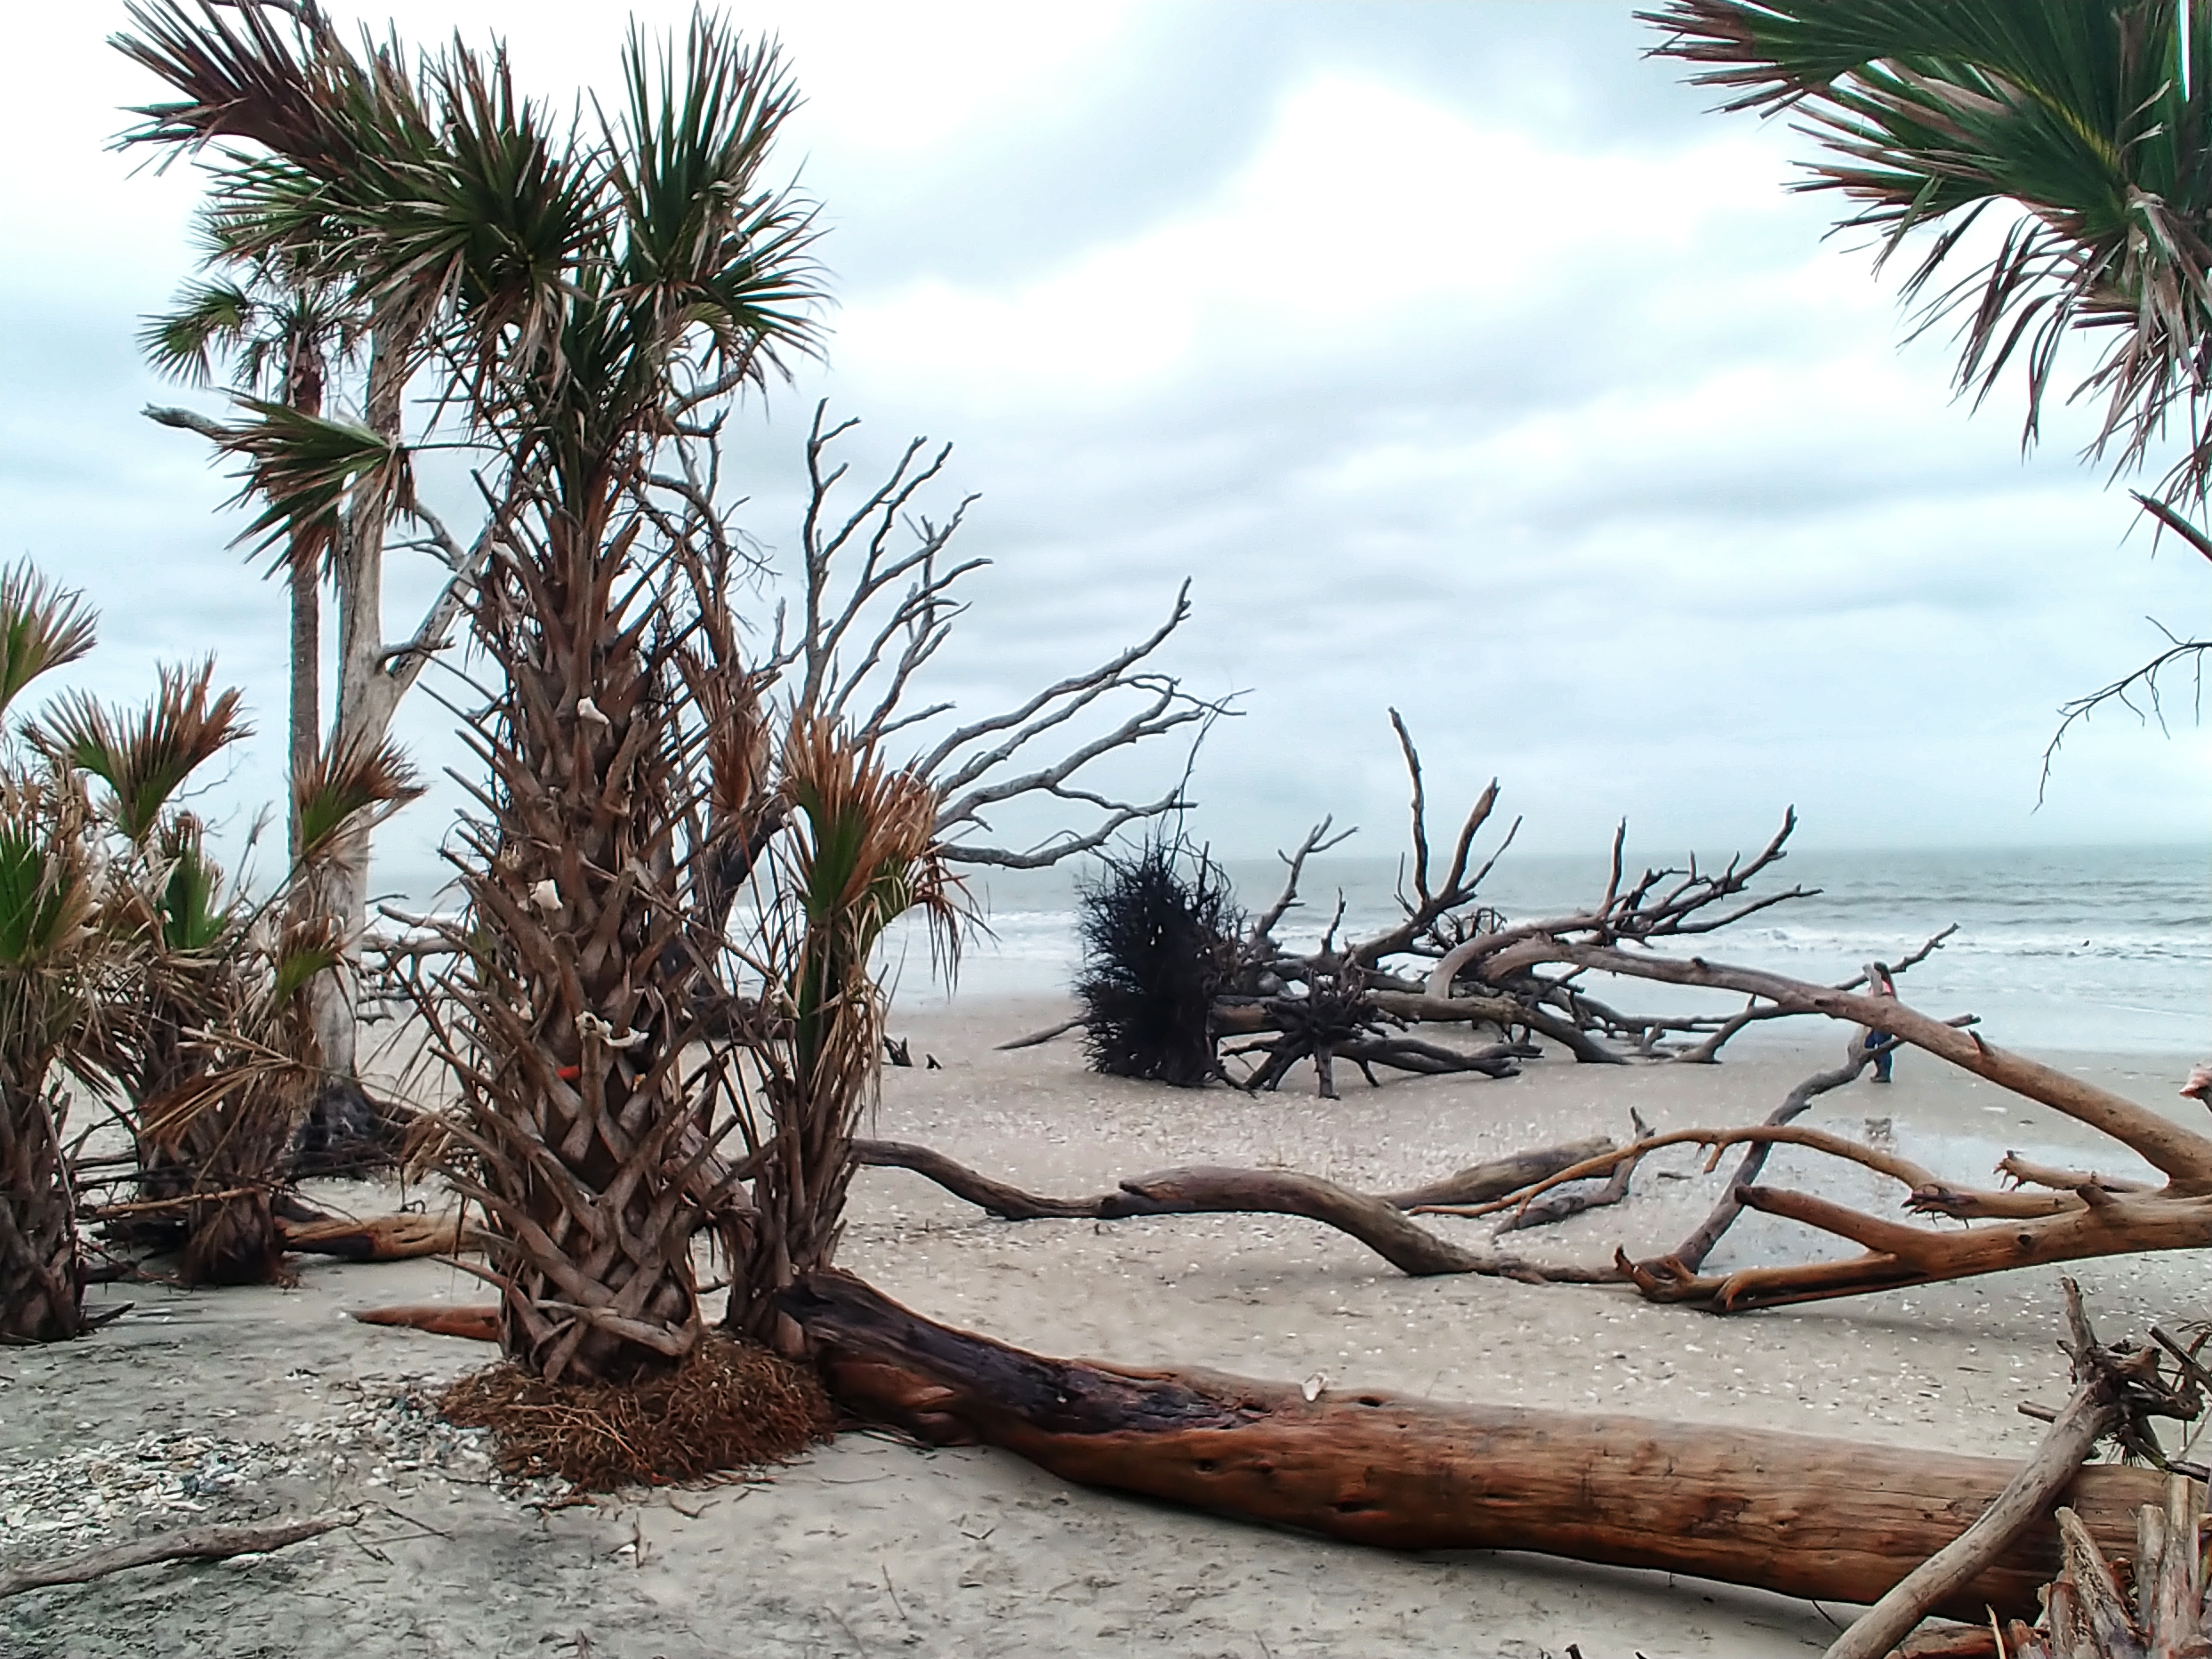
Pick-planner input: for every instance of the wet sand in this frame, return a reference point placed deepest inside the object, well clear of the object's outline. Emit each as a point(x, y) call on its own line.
point(869, 1547)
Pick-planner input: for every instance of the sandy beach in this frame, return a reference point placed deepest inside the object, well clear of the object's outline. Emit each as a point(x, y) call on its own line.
point(243, 1404)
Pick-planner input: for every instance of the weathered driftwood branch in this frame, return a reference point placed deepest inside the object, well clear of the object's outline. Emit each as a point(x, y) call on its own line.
point(2025, 1229)
point(1379, 1222)
point(1560, 1204)
point(193, 1544)
point(478, 1322)
point(2111, 1384)
point(1691, 1252)
point(1833, 1520)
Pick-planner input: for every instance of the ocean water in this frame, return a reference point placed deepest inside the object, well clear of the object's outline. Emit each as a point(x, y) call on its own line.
point(2075, 949)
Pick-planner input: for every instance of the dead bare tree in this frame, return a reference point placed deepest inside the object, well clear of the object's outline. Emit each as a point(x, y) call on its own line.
point(1449, 961)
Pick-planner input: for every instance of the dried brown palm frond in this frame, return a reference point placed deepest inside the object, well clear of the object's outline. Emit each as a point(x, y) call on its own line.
point(144, 756)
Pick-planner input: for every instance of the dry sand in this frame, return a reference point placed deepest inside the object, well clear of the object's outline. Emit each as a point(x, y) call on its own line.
point(247, 1403)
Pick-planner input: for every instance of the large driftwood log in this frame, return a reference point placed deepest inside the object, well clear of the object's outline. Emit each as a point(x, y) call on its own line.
point(374, 1238)
point(1827, 1519)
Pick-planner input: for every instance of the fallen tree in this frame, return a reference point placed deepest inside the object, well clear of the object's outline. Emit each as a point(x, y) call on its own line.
point(1172, 972)
point(2076, 1216)
point(1826, 1519)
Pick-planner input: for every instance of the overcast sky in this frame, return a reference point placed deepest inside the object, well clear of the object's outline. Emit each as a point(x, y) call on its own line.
point(1463, 362)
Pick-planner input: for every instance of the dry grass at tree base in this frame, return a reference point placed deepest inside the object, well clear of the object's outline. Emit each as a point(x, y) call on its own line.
point(730, 1407)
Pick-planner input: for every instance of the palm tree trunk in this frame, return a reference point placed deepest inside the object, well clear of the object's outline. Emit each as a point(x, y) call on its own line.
point(364, 713)
point(41, 1280)
point(307, 689)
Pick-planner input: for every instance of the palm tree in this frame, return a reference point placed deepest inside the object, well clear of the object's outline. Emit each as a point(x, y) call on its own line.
point(862, 853)
point(281, 334)
point(57, 967)
point(570, 288)
point(223, 1062)
point(2083, 129)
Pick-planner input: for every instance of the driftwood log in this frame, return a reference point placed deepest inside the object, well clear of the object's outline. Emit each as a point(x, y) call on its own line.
point(374, 1238)
point(1827, 1519)
point(191, 1544)
point(1379, 1222)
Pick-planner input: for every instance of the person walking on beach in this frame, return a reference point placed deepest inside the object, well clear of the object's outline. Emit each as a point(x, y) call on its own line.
point(1879, 983)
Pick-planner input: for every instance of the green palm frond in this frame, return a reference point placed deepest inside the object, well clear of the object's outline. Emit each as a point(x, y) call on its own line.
point(704, 236)
point(192, 916)
point(42, 627)
point(48, 894)
point(352, 786)
point(2071, 117)
point(144, 756)
point(866, 856)
point(308, 949)
point(305, 468)
point(210, 318)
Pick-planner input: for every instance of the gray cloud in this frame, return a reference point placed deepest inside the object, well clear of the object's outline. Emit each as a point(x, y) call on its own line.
point(1638, 506)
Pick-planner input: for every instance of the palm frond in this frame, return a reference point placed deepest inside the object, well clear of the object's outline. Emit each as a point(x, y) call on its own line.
point(703, 234)
point(353, 786)
point(210, 318)
point(145, 756)
point(49, 891)
point(242, 75)
point(867, 855)
point(304, 468)
point(42, 627)
point(192, 915)
point(2072, 116)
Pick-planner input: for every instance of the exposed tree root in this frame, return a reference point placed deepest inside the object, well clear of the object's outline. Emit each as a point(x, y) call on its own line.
point(727, 1406)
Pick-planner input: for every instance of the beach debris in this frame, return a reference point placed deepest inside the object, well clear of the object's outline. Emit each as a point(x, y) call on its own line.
point(2116, 1390)
point(588, 712)
point(213, 1543)
point(546, 895)
point(1172, 972)
point(388, 1434)
point(2076, 1217)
